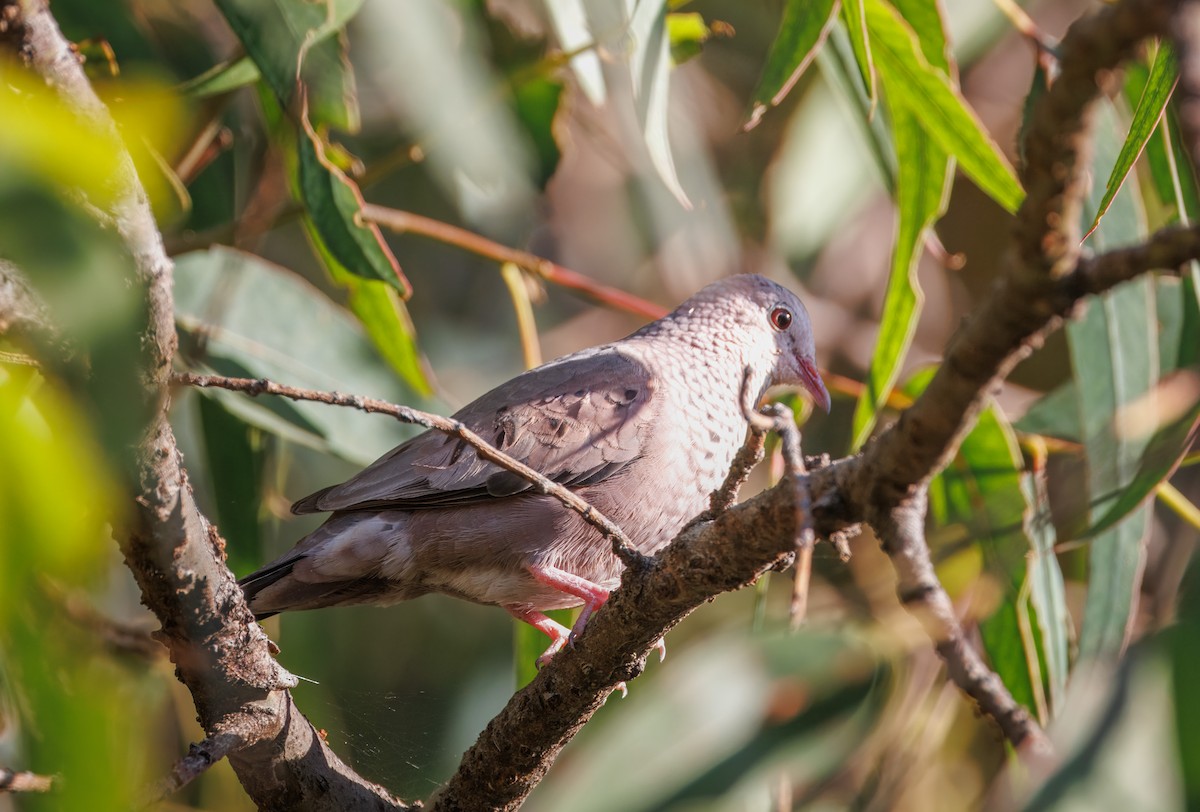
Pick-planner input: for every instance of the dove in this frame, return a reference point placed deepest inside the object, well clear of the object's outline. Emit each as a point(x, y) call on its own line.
point(644, 429)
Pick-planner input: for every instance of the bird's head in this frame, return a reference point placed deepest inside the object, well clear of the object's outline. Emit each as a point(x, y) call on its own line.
point(770, 324)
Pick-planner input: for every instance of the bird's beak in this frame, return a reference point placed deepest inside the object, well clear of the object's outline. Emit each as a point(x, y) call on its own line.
point(813, 383)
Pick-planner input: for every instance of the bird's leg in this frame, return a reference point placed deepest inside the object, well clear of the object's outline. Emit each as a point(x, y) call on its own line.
point(593, 596)
point(558, 633)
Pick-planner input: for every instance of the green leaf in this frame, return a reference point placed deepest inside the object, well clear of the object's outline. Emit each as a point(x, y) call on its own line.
point(1047, 591)
point(529, 643)
point(687, 33)
point(923, 172)
point(279, 34)
point(71, 718)
point(1164, 74)
point(382, 314)
point(1055, 414)
point(925, 19)
point(984, 491)
point(570, 21)
point(222, 78)
point(241, 315)
point(804, 26)
point(334, 205)
point(855, 18)
point(236, 453)
point(945, 116)
point(1114, 354)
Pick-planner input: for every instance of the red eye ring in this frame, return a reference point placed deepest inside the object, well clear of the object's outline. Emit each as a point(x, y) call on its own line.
point(781, 318)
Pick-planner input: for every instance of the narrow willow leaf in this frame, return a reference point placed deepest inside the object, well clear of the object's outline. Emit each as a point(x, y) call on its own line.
point(650, 65)
point(804, 26)
point(1047, 591)
point(855, 18)
point(922, 187)
point(382, 314)
point(945, 116)
point(334, 203)
point(1164, 74)
point(925, 19)
point(837, 65)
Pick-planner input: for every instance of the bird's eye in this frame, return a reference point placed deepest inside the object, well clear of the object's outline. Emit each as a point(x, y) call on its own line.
point(781, 318)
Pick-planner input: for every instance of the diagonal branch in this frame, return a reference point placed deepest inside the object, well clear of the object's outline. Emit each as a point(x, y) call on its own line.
point(405, 414)
point(177, 557)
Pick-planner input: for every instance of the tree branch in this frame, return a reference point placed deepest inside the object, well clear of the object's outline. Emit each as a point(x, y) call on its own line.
point(407, 222)
point(15, 781)
point(405, 414)
point(177, 557)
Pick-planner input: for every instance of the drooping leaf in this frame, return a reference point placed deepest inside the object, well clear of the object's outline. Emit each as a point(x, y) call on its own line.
point(1047, 591)
point(334, 205)
point(923, 173)
point(946, 117)
point(803, 28)
point(570, 22)
point(1164, 73)
point(240, 315)
point(650, 69)
point(279, 35)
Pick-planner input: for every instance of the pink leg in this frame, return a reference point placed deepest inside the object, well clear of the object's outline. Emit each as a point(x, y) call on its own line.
point(592, 595)
point(557, 632)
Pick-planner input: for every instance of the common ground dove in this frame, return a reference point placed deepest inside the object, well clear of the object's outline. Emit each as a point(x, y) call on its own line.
point(644, 429)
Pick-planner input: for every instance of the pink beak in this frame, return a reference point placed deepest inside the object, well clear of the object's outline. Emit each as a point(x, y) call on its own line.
point(813, 383)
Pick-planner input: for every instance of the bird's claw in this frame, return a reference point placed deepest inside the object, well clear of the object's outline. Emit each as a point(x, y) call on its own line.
point(661, 648)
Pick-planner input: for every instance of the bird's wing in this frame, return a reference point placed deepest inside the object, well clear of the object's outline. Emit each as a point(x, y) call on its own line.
point(577, 421)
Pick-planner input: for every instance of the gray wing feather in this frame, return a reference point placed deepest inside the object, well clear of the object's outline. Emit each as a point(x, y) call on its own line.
point(578, 421)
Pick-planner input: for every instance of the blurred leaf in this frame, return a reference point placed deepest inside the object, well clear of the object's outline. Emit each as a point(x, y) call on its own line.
point(923, 172)
point(529, 643)
point(73, 705)
point(222, 78)
point(1165, 450)
point(334, 205)
point(687, 33)
point(804, 26)
point(723, 717)
point(650, 69)
point(945, 116)
point(536, 103)
point(855, 18)
point(83, 274)
point(382, 314)
point(1054, 414)
point(1170, 169)
point(278, 33)
point(983, 490)
point(241, 315)
point(236, 455)
point(1047, 590)
point(837, 65)
point(570, 22)
point(1164, 73)
point(1115, 359)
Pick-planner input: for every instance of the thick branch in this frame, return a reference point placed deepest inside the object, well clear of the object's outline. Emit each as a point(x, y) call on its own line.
point(519, 745)
point(175, 555)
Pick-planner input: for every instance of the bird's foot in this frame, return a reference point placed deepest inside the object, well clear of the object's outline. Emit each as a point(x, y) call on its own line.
point(593, 595)
point(661, 648)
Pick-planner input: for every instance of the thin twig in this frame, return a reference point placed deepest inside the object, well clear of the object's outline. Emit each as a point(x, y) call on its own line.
point(407, 222)
point(622, 546)
point(778, 418)
point(199, 758)
point(14, 781)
